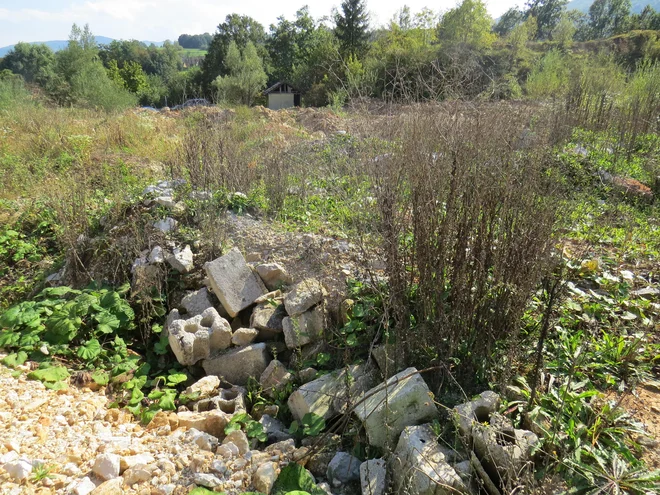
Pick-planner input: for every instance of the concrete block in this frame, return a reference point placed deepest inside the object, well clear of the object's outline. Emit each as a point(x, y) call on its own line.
point(304, 328)
point(238, 364)
point(304, 295)
point(196, 338)
point(234, 282)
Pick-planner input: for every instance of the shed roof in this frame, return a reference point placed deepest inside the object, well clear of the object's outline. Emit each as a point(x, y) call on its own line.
point(277, 85)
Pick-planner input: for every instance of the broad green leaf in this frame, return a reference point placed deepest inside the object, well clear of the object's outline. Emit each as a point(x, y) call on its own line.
point(90, 350)
point(58, 291)
point(176, 378)
point(107, 322)
point(101, 377)
point(295, 478)
point(11, 317)
point(53, 374)
point(61, 329)
point(136, 397)
point(15, 359)
point(9, 339)
point(56, 385)
point(254, 429)
point(313, 424)
point(167, 401)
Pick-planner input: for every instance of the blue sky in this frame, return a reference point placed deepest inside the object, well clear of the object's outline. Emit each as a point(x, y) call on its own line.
point(157, 20)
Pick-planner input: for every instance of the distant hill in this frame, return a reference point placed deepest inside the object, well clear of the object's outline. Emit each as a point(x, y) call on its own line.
point(637, 5)
point(61, 44)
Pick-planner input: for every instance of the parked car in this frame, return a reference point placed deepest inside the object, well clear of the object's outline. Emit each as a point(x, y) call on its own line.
point(195, 102)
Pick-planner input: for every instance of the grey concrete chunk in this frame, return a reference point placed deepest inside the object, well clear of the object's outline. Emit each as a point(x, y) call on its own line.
point(239, 364)
point(181, 260)
point(195, 303)
point(329, 394)
point(477, 410)
point(304, 295)
point(373, 477)
point(343, 469)
point(244, 336)
point(273, 275)
point(275, 377)
point(404, 400)
point(234, 282)
point(196, 338)
point(268, 318)
point(304, 328)
point(419, 467)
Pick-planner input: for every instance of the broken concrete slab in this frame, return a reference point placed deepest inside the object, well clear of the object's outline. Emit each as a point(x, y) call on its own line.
point(181, 259)
point(502, 450)
point(304, 328)
point(233, 282)
point(419, 467)
point(239, 364)
point(273, 275)
point(275, 377)
point(196, 338)
point(268, 319)
point(211, 422)
point(330, 394)
point(477, 410)
point(244, 336)
point(373, 477)
point(343, 469)
point(304, 295)
point(195, 303)
point(204, 387)
point(228, 400)
point(385, 410)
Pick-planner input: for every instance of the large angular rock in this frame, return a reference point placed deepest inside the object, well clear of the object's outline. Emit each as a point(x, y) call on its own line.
point(403, 400)
point(268, 318)
point(244, 336)
point(304, 295)
point(196, 338)
point(204, 387)
point(419, 467)
point(373, 477)
point(304, 328)
point(343, 469)
point(239, 364)
point(329, 395)
point(273, 275)
point(275, 377)
point(475, 411)
point(502, 450)
point(228, 400)
point(107, 466)
point(234, 282)
point(195, 303)
point(181, 260)
point(211, 422)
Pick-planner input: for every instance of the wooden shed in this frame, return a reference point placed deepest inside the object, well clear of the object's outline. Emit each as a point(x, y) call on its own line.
point(282, 95)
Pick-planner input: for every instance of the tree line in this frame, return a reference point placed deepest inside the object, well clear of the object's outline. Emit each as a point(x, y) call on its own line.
point(462, 52)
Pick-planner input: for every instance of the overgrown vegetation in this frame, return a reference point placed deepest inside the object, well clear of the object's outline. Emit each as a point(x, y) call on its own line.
point(518, 241)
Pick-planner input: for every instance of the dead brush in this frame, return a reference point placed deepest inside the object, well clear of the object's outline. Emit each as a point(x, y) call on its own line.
point(466, 220)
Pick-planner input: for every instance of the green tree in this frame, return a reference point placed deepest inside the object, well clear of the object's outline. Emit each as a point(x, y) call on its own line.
point(547, 13)
point(564, 32)
point(469, 23)
point(246, 78)
point(134, 77)
point(289, 44)
point(608, 17)
point(508, 21)
point(81, 79)
point(352, 27)
point(241, 30)
point(33, 62)
point(521, 34)
point(646, 19)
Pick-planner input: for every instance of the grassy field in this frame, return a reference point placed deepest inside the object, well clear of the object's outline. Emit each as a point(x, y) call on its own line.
point(516, 251)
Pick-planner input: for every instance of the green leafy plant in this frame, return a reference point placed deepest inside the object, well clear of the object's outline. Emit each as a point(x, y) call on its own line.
point(310, 425)
point(252, 428)
point(40, 472)
point(295, 479)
